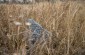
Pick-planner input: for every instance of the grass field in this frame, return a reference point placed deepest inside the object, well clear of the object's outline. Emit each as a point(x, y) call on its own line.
point(65, 20)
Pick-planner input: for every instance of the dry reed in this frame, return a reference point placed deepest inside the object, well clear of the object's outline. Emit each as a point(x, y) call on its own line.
point(66, 21)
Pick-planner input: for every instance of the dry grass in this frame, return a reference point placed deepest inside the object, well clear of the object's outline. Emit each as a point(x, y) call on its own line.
point(66, 21)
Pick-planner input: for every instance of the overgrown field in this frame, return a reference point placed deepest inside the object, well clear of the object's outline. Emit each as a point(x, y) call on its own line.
point(65, 20)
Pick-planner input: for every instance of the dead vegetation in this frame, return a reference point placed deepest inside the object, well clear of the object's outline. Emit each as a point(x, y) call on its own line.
point(66, 21)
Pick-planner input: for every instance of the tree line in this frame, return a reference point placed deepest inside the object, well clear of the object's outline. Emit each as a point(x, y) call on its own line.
point(24, 1)
point(32, 1)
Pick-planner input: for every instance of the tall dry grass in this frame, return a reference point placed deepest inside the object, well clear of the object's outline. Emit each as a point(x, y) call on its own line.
point(66, 21)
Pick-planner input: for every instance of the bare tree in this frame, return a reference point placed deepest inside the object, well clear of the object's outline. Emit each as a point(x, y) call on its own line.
point(4, 1)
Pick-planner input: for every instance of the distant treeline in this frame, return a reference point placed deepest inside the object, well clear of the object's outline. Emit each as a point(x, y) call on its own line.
point(25, 1)
point(32, 1)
